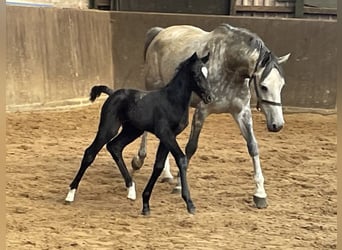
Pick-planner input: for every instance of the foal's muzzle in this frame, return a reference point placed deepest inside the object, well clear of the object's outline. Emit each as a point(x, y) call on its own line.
point(207, 98)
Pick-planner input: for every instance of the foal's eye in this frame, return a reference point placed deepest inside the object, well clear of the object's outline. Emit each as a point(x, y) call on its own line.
point(264, 88)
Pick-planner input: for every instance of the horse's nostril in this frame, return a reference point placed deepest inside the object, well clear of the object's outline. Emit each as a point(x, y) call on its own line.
point(276, 128)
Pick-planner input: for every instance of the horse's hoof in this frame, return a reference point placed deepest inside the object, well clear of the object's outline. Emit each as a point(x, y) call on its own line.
point(176, 190)
point(260, 202)
point(67, 202)
point(136, 163)
point(167, 180)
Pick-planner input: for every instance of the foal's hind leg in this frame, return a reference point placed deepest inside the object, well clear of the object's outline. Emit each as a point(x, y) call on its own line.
point(102, 137)
point(115, 147)
point(138, 160)
point(245, 122)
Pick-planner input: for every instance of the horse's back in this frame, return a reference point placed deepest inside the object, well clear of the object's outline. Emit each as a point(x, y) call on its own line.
point(168, 48)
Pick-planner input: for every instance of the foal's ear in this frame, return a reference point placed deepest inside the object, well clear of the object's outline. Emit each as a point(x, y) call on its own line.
point(194, 57)
point(205, 58)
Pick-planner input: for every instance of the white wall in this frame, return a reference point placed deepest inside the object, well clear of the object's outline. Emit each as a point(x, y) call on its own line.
point(81, 4)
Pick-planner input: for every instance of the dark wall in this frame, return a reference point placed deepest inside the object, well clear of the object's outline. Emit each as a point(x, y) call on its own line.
point(310, 73)
point(217, 7)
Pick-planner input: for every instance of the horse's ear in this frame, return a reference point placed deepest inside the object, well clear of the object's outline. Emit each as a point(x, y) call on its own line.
point(283, 59)
point(206, 58)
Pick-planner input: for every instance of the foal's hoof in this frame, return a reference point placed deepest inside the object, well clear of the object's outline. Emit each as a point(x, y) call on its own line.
point(146, 212)
point(176, 190)
point(192, 210)
point(260, 202)
point(136, 163)
point(70, 196)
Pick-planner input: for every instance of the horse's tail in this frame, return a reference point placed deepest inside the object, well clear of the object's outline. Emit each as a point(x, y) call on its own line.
point(97, 90)
point(150, 35)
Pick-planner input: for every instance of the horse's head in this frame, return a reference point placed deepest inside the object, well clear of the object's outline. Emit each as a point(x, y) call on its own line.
point(199, 77)
point(269, 81)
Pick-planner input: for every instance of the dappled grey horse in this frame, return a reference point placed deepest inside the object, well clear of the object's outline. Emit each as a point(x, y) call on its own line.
point(238, 59)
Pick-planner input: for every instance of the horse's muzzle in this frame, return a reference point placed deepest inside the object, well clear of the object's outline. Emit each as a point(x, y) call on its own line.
point(275, 127)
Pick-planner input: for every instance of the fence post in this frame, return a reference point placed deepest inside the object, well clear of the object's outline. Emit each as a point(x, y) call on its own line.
point(299, 8)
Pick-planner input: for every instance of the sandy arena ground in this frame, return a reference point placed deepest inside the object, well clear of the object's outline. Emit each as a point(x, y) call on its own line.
point(44, 150)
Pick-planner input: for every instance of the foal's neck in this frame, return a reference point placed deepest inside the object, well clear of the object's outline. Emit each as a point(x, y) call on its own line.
point(179, 89)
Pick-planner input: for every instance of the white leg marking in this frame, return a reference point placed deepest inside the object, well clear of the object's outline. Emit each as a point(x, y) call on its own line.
point(166, 174)
point(71, 195)
point(179, 184)
point(131, 192)
point(258, 178)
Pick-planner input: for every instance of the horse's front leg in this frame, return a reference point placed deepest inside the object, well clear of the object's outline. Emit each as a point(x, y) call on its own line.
point(245, 123)
point(138, 161)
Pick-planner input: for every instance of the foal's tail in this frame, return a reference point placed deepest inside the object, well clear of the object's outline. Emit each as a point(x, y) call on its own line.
point(97, 90)
point(150, 35)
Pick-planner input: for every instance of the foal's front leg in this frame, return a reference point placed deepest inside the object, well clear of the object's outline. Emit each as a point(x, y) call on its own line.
point(157, 169)
point(182, 162)
point(197, 123)
point(245, 122)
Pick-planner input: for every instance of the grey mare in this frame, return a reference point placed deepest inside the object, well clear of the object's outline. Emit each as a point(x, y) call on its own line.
point(238, 58)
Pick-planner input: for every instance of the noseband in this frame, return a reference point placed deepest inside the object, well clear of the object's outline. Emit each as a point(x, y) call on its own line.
point(259, 99)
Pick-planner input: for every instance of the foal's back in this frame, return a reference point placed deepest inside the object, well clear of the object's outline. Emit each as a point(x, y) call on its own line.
point(143, 109)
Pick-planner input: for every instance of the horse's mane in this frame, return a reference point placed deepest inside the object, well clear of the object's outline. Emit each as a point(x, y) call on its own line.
point(266, 58)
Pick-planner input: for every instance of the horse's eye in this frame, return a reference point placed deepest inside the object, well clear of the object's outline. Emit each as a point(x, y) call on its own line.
point(264, 88)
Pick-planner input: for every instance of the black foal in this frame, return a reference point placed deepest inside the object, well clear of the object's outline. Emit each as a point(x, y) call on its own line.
point(163, 112)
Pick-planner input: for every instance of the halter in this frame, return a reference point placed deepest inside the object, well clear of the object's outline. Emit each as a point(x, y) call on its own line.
point(259, 99)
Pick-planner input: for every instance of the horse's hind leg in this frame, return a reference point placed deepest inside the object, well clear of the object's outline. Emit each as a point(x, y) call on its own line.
point(245, 122)
point(138, 160)
point(166, 173)
point(102, 137)
point(115, 147)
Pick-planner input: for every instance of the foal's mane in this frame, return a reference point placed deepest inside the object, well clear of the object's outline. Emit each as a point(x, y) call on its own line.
point(181, 66)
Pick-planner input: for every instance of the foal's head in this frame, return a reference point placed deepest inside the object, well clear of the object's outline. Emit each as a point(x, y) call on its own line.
point(199, 74)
